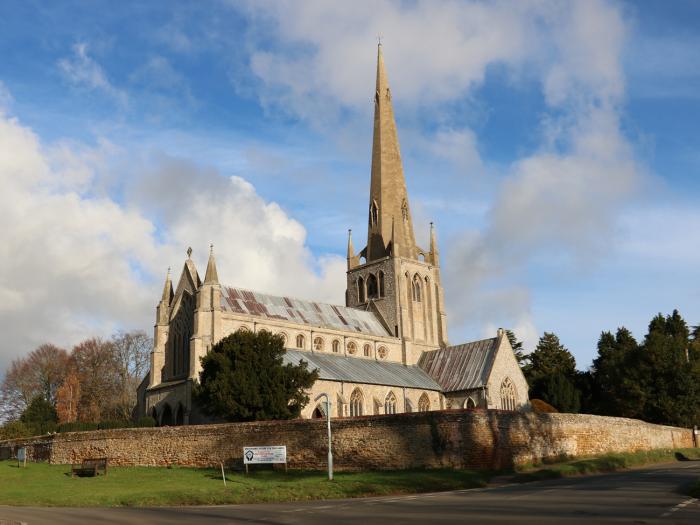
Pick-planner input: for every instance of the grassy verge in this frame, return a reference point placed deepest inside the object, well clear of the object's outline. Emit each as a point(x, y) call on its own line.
point(41, 484)
point(606, 463)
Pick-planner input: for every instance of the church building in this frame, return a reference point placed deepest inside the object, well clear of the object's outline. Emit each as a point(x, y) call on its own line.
point(386, 351)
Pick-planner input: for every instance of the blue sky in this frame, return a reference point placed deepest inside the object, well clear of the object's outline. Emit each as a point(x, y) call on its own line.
point(554, 144)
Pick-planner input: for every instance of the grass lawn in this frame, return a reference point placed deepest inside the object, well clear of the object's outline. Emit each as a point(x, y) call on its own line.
point(606, 463)
point(41, 484)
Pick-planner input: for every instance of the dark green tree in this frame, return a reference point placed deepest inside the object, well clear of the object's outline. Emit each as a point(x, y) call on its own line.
point(668, 377)
point(243, 378)
point(615, 382)
point(559, 391)
point(551, 374)
point(517, 346)
point(40, 416)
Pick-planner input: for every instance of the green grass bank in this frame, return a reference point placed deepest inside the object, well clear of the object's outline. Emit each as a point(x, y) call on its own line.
point(41, 484)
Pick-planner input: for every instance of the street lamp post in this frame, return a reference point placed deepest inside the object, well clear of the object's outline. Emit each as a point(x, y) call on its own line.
point(328, 419)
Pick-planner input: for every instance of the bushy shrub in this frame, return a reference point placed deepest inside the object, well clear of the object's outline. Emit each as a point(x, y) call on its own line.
point(542, 407)
point(146, 421)
point(14, 430)
point(76, 426)
point(106, 425)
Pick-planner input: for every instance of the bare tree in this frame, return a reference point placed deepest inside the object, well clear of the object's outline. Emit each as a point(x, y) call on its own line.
point(68, 399)
point(131, 352)
point(97, 370)
point(41, 373)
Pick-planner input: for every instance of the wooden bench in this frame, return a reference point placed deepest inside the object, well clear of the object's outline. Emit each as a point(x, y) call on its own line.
point(89, 467)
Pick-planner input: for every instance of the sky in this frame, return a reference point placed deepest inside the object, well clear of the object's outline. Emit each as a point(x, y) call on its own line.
point(556, 146)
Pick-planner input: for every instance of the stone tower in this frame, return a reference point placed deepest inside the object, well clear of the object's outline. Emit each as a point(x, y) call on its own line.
point(392, 275)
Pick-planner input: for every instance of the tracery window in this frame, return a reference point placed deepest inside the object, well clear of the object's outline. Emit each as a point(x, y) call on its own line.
point(416, 288)
point(390, 403)
point(367, 350)
point(300, 341)
point(424, 403)
point(352, 348)
point(469, 403)
point(356, 403)
point(508, 395)
point(372, 288)
point(336, 346)
point(382, 352)
point(318, 344)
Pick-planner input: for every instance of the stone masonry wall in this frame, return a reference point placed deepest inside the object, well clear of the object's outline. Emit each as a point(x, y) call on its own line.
point(455, 438)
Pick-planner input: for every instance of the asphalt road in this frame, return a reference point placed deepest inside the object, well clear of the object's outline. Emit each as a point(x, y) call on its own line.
point(646, 496)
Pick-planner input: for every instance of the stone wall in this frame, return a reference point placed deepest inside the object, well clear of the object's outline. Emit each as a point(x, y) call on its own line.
point(455, 438)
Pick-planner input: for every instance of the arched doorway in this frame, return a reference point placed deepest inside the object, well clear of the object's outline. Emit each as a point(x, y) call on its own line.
point(166, 418)
point(318, 413)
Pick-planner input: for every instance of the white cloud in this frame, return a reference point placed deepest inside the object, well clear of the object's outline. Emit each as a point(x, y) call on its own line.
point(82, 70)
point(563, 198)
point(76, 263)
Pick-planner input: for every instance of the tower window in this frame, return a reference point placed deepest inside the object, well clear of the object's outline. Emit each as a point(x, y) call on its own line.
point(381, 284)
point(361, 290)
point(416, 289)
point(372, 288)
point(373, 213)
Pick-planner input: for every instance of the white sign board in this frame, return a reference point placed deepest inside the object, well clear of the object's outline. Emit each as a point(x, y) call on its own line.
point(21, 454)
point(271, 454)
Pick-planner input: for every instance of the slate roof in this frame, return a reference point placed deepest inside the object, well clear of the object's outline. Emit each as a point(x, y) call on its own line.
point(358, 370)
point(461, 367)
point(311, 313)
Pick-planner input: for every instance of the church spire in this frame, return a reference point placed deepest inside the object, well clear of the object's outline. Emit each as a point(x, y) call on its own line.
point(211, 277)
point(388, 195)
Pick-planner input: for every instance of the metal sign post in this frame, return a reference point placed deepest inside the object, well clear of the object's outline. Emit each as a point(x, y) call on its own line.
point(328, 419)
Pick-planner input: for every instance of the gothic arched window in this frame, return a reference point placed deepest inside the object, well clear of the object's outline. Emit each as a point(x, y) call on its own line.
point(356, 403)
point(508, 395)
point(390, 403)
point(424, 403)
point(318, 344)
point(336, 346)
point(372, 288)
point(381, 284)
point(469, 403)
point(373, 213)
point(361, 290)
point(300, 341)
point(416, 288)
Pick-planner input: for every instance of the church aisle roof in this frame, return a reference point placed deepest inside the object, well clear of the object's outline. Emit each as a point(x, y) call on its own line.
point(240, 301)
point(461, 367)
point(358, 370)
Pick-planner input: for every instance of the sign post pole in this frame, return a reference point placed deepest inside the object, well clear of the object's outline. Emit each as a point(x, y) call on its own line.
point(328, 420)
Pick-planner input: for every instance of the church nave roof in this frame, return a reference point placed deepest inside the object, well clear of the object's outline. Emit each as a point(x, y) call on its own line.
point(312, 313)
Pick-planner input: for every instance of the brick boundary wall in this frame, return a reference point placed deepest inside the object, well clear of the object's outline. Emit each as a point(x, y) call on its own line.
point(472, 439)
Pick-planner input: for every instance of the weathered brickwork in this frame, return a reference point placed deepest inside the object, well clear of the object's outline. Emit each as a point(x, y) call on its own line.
point(455, 438)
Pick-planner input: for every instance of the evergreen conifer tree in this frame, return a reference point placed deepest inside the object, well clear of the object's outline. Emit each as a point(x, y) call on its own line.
point(243, 378)
point(551, 374)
